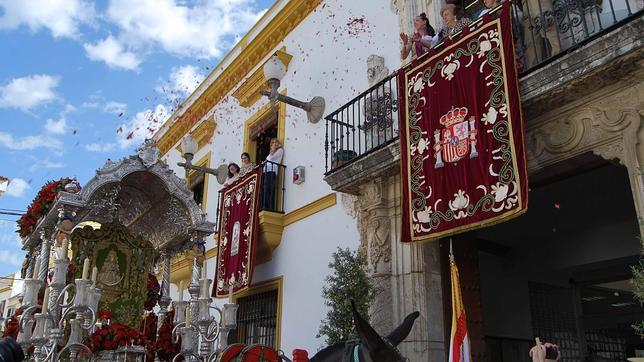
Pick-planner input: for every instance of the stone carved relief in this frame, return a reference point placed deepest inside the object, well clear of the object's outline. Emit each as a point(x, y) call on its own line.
point(349, 204)
point(379, 243)
point(376, 69)
point(608, 126)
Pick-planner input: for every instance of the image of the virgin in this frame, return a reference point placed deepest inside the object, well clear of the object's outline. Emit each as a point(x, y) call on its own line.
point(110, 272)
point(234, 248)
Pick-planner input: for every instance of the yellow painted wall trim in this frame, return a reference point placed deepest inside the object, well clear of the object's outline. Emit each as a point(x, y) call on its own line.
point(271, 226)
point(307, 210)
point(248, 93)
point(259, 116)
point(271, 284)
point(211, 253)
point(203, 133)
point(247, 57)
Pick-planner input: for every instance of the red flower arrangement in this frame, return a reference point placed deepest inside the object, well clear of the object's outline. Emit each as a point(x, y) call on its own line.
point(12, 327)
point(104, 315)
point(109, 338)
point(41, 205)
point(153, 292)
point(148, 330)
point(166, 350)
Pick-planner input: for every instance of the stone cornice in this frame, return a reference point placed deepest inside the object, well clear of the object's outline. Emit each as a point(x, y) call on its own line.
point(241, 60)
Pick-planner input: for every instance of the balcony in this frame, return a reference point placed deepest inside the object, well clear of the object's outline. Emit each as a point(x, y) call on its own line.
point(271, 214)
point(570, 49)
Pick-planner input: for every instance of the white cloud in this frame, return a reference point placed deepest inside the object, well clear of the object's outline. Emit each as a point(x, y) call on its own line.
point(29, 142)
point(103, 148)
point(46, 163)
point(56, 127)
point(8, 233)
point(113, 53)
point(182, 82)
point(17, 187)
point(198, 30)
point(11, 257)
point(27, 92)
point(115, 107)
point(61, 17)
point(142, 126)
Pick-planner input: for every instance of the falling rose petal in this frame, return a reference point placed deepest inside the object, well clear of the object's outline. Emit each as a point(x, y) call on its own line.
point(74, 131)
point(119, 130)
point(130, 136)
point(120, 114)
point(557, 205)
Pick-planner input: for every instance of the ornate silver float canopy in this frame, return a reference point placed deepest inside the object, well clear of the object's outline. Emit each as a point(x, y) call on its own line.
point(140, 192)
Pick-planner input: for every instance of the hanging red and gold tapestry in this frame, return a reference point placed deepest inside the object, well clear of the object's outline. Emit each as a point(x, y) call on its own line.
point(462, 135)
point(238, 234)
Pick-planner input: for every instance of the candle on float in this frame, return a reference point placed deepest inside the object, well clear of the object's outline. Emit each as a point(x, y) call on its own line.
point(181, 291)
point(45, 301)
point(36, 268)
point(85, 268)
point(188, 317)
point(65, 248)
point(204, 280)
point(94, 274)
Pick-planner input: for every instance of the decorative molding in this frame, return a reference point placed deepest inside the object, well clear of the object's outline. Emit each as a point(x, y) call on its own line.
point(271, 226)
point(265, 286)
point(211, 253)
point(309, 209)
point(248, 93)
point(203, 133)
point(265, 111)
point(245, 59)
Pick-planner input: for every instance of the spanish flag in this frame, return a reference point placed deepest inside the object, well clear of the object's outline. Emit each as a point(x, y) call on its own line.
point(459, 344)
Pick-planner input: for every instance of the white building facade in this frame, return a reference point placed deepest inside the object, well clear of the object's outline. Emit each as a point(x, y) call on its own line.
point(325, 46)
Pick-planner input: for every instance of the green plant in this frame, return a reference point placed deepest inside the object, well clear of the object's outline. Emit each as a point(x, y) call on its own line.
point(349, 281)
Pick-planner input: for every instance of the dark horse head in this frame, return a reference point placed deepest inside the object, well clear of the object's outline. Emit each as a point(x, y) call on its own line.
point(372, 347)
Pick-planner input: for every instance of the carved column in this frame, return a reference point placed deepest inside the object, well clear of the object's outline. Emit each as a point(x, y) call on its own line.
point(405, 281)
point(45, 250)
point(164, 300)
point(375, 230)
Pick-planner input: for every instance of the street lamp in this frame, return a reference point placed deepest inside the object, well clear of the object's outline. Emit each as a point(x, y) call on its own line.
point(4, 184)
point(274, 71)
point(189, 147)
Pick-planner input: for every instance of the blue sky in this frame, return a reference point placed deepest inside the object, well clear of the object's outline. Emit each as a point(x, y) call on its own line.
point(83, 81)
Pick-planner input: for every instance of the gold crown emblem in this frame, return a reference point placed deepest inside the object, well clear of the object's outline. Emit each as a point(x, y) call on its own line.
point(455, 115)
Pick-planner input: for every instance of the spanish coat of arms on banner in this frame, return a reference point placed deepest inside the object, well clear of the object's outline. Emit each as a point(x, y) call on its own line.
point(462, 135)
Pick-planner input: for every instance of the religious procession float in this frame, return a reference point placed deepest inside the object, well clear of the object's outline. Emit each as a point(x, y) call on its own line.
point(93, 253)
point(90, 286)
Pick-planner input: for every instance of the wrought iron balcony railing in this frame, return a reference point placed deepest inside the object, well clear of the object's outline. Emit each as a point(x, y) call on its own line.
point(366, 123)
point(544, 30)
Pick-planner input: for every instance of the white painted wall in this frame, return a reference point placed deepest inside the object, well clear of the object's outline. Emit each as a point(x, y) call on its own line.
point(328, 62)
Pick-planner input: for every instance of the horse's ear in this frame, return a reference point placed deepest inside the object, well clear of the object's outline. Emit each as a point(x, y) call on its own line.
point(368, 336)
point(402, 331)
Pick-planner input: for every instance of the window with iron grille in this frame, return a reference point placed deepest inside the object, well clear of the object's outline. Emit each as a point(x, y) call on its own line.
point(257, 319)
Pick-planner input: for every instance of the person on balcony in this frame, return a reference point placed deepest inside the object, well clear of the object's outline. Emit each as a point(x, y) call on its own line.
point(246, 165)
point(421, 41)
point(233, 173)
point(517, 15)
point(269, 177)
point(451, 23)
